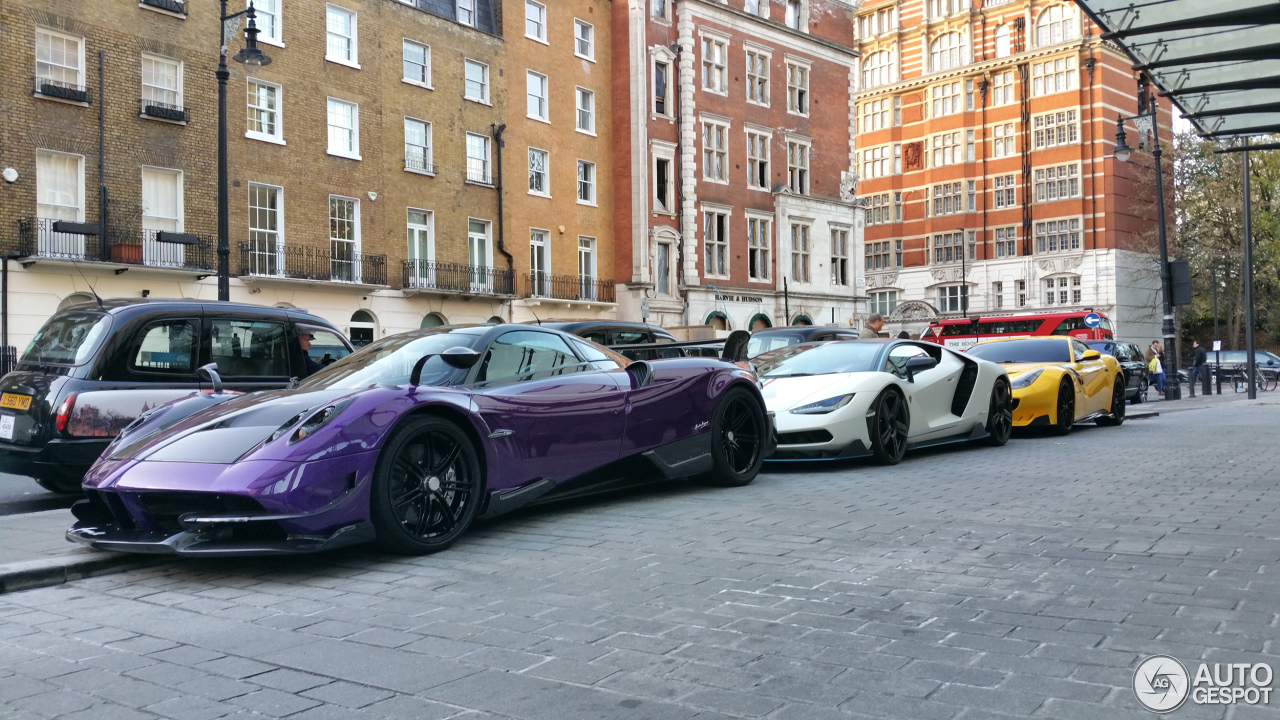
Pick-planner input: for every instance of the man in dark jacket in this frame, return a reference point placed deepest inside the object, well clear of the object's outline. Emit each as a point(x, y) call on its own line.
point(1198, 368)
point(313, 367)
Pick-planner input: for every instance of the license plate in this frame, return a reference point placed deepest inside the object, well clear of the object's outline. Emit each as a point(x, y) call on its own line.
point(14, 401)
point(6, 427)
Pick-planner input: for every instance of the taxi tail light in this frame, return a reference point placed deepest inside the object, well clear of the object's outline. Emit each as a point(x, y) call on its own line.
point(64, 413)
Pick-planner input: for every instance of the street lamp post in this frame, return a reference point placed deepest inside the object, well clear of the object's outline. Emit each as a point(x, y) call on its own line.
point(964, 273)
point(1173, 390)
point(252, 58)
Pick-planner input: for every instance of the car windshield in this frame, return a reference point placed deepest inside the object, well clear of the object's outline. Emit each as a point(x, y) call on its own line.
point(390, 361)
point(819, 359)
point(1032, 350)
point(761, 344)
point(68, 339)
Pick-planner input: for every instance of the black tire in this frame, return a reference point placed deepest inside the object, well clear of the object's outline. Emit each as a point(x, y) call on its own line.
point(738, 435)
point(1000, 414)
point(1117, 406)
point(888, 425)
point(61, 484)
point(1065, 408)
point(427, 486)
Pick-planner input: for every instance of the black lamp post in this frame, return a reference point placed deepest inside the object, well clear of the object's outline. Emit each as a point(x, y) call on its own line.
point(1173, 391)
point(964, 273)
point(252, 58)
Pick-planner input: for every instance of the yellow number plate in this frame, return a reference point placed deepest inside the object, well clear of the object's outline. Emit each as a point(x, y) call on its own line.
point(14, 401)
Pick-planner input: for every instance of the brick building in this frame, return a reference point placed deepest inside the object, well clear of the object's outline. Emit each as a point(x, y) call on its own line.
point(985, 133)
point(733, 151)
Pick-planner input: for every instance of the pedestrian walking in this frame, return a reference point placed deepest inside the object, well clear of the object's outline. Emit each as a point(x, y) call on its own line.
point(873, 327)
point(1155, 368)
point(1199, 369)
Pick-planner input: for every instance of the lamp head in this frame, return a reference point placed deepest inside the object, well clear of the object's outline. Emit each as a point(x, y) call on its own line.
point(1122, 151)
point(251, 56)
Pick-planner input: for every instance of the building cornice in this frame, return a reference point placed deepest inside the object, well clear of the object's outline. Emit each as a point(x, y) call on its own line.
point(774, 32)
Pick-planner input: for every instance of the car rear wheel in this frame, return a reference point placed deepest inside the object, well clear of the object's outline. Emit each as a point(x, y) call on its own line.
point(426, 487)
point(888, 424)
point(737, 439)
point(1000, 414)
point(1065, 409)
point(1117, 405)
point(62, 484)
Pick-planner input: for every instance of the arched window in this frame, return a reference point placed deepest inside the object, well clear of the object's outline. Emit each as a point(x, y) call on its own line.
point(1003, 48)
point(802, 320)
point(718, 321)
point(431, 320)
point(760, 322)
point(1057, 24)
point(878, 69)
point(363, 328)
point(947, 52)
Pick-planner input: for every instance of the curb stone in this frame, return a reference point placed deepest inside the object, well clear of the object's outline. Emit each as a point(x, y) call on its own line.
point(31, 574)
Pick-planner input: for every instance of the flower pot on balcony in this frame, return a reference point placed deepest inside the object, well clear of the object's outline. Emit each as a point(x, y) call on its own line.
point(131, 254)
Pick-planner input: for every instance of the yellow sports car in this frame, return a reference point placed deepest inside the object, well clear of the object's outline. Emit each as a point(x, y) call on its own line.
point(1058, 381)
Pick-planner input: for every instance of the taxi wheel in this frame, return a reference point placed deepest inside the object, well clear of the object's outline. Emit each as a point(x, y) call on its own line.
point(1117, 405)
point(1066, 409)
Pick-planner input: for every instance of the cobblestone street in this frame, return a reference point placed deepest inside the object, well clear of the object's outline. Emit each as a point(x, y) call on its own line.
point(1022, 582)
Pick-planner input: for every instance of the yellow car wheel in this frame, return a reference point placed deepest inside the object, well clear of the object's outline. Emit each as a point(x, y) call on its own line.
point(1066, 408)
point(1117, 405)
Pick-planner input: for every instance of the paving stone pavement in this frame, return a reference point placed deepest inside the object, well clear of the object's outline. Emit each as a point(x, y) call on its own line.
point(1021, 582)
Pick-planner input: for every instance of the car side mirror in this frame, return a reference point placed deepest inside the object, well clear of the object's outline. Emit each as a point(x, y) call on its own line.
point(211, 371)
point(458, 357)
point(919, 363)
point(641, 374)
point(735, 346)
point(1090, 355)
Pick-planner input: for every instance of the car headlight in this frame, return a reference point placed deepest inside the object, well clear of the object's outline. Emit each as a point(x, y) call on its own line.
point(824, 406)
point(319, 419)
point(1026, 380)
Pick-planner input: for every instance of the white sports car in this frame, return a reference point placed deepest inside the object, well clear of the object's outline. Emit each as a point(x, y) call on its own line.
point(881, 398)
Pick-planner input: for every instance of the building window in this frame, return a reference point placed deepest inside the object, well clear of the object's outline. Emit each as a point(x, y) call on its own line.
point(1004, 141)
point(877, 211)
point(662, 185)
point(661, 71)
point(535, 21)
point(943, 8)
point(946, 199)
point(344, 238)
point(1055, 290)
point(59, 186)
point(1002, 88)
point(584, 40)
point(477, 81)
point(879, 69)
point(539, 264)
point(791, 16)
point(267, 13)
point(417, 146)
point(997, 295)
point(478, 253)
point(1054, 129)
point(478, 159)
point(875, 115)
point(1057, 24)
point(798, 167)
point(586, 182)
point(952, 298)
point(266, 229)
point(948, 52)
point(161, 82)
point(538, 184)
point(752, 6)
point(946, 247)
point(897, 207)
point(536, 87)
point(881, 21)
point(971, 196)
point(264, 111)
point(1022, 293)
point(1003, 47)
point(1005, 193)
point(586, 100)
point(757, 77)
point(1057, 236)
point(800, 252)
point(715, 240)
point(586, 267)
point(660, 10)
point(715, 153)
point(876, 255)
point(466, 12)
point(759, 238)
point(840, 256)
point(1007, 242)
point(344, 129)
point(968, 146)
point(59, 59)
point(797, 89)
point(714, 52)
point(946, 149)
point(1053, 76)
point(884, 302)
point(758, 160)
point(161, 200)
point(897, 110)
point(420, 230)
point(1057, 183)
point(876, 162)
point(1075, 290)
point(340, 30)
point(417, 63)
point(662, 271)
point(946, 99)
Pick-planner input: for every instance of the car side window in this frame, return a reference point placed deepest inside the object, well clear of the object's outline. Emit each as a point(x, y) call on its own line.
point(630, 337)
point(521, 354)
point(326, 346)
point(249, 348)
point(1079, 349)
point(896, 362)
point(598, 359)
point(167, 346)
point(599, 337)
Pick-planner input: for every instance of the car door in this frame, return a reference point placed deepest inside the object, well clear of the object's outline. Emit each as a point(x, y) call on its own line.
point(252, 352)
point(929, 392)
point(1094, 379)
point(555, 413)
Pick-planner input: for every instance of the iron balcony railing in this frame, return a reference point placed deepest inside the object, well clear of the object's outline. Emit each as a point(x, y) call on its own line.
point(163, 111)
point(482, 177)
point(173, 6)
point(458, 278)
point(568, 287)
point(419, 164)
point(341, 263)
point(62, 90)
point(128, 246)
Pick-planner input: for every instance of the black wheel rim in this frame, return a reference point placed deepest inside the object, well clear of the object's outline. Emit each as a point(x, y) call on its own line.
point(891, 424)
point(740, 434)
point(1117, 400)
point(431, 480)
point(1001, 411)
point(1066, 413)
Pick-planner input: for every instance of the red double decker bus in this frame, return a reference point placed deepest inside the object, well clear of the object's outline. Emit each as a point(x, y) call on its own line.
point(960, 333)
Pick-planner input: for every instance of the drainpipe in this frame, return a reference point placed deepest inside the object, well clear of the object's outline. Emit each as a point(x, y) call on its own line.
point(502, 248)
point(103, 248)
point(677, 170)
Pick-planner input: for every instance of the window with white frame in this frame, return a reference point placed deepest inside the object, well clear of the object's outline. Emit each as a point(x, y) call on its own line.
point(948, 52)
point(800, 252)
point(417, 146)
point(586, 101)
point(946, 149)
point(798, 88)
point(584, 39)
point(943, 8)
point(478, 159)
point(878, 69)
point(1057, 183)
point(997, 295)
point(1055, 291)
point(661, 87)
point(884, 302)
point(946, 99)
point(1003, 47)
point(539, 263)
point(878, 210)
point(417, 63)
point(715, 50)
point(465, 12)
point(1004, 141)
point(897, 159)
point(880, 21)
point(791, 14)
point(758, 160)
point(1007, 242)
point(420, 231)
point(1055, 25)
point(662, 267)
point(59, 59)
point(952, 298)
point(946, 199)
point(1058, 235)
point(752, 6)
point(798, 166)
point(1004, 192)
point(476, 85)
point(344, 128)
point(536, 89)
point(161, 81)
point(267, 17)
point(344, 238)
point(875, 115)
point(715, 242)
point(1055, 129)
point(264, 111)
point(663, 178)
point(840, 256)
point(897, 110)
point(586, 267)
point(897, 207)
point(161, 199)
point(266, 229)
point(876, 255)
point(340, 33)
point(1022, 292)
point(586, 182)
point(757, 77)
point(538, 184)
point(1075, 290)
point(715, 151)
point(759, 241)
point(970, 195)
point(968, 146)
point(661, 9)
point(535, 21)
point(59, 186)
point(1053, 76)
point(1002, 88)
point(968, 95)
point(877, 162)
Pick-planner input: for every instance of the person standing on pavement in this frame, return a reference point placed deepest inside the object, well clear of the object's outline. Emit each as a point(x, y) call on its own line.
point(1155, 368)
point(875, 324)
point(1198, 369)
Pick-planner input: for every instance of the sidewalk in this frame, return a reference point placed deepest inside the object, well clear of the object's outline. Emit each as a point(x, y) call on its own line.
point(34, 553)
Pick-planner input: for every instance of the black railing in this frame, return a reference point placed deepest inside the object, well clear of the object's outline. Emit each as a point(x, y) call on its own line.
point(164, 111)
point(568, 287)
point(458, 278)
point(417, 164)
point(173, 6)
point(306, 263)
point(479, 176)
point(62, 90)
point(8, 359)
point(127, 246)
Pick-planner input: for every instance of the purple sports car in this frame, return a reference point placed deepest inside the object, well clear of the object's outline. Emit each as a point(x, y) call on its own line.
point(410, 439)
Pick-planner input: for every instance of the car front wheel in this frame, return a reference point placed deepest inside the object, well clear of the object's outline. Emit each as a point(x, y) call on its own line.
point(1065, 409)
point(1000, 415)
point(1117, 405)
point(888, 424)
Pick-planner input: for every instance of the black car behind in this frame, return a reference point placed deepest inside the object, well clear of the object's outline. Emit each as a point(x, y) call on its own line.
point(1132, 363)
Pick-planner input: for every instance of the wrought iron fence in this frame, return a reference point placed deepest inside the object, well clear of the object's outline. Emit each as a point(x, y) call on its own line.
point(479, 176)
point(568, 287)
point(419, 164)
point(173, 6)
point(163, 111)
point(129, 246)
point(458, 277)
point(62, 90)
point(8, 359)
point(307, 263)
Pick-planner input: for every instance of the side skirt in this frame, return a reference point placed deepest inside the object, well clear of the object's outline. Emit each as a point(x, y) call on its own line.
point(977, 433)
